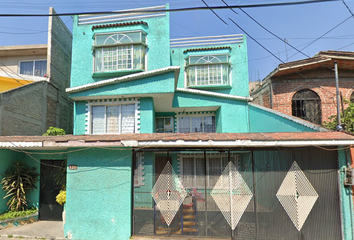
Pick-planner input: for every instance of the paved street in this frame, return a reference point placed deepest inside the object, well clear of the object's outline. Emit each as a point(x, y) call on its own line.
point(37, 230)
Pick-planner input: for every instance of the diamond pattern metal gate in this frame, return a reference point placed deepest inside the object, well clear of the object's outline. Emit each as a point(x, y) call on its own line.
point(282, 194)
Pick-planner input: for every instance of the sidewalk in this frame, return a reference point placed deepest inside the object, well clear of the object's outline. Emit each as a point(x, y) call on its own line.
point(48, 230)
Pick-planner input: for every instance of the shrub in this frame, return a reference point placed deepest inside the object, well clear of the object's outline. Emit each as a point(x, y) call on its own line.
point(54, 131)
point(17, 181)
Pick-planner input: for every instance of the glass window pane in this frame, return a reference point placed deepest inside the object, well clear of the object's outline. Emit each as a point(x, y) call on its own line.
point(200, 173)
point(188, 172)
point(98, 119)
point(209, 124)
point(197, 125)
point(159, 125)
point(113, 119)
point(40, 68)
point(98, 59)
point(168, 125)
point(128, 118)
point(214, 170)
point(26, 68)
point(184, 124)
point(137, 56)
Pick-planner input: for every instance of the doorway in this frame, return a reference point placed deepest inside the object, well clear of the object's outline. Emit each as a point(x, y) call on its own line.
point(49, 209)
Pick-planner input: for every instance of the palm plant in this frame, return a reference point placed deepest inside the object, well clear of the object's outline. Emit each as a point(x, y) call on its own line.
point(17, 181)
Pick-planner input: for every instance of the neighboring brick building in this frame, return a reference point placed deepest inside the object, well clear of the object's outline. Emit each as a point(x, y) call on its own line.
point(306, 88)
point(33, 79)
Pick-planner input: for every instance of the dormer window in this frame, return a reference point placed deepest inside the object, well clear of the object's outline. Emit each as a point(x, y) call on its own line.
point(207, 70)
point(120, 51)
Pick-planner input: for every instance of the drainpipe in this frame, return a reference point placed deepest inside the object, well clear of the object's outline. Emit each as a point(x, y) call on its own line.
point(339, 126)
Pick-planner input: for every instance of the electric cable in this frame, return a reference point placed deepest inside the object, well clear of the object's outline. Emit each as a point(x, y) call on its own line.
point(169, 10)
point(214, 12)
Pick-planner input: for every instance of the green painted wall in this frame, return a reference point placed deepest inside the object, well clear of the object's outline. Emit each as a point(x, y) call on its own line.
point(264, 121)
point(79, 117)
point(158, 39)
point(147, 115)
point(8, 158)
point(238, 60)
point(99, 194)
point(231, 117)
point(163, 83)
point(142, 196)
point(346, 198)
point(32, 159)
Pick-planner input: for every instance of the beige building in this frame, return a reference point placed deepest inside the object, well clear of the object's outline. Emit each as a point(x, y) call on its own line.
point(33, 79)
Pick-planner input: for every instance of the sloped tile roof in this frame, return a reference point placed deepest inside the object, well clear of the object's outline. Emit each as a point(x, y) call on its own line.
point(206, 140)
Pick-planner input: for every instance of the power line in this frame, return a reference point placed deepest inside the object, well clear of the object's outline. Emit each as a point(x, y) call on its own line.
point(289, 66)
point(214, 12)
point(256, 41)
point(348, 8)
point(286, 42)
point(323, 35)
point(170, 10)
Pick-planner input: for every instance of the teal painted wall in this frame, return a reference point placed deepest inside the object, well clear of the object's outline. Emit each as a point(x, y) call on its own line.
point(79, 117)
point(239, 66)
point(346, 198)
point(263, 121)
point(158, 40)
point(99, 194)
point(231, 117)
point(163, 83)
point(8, 158)
point(147, 115)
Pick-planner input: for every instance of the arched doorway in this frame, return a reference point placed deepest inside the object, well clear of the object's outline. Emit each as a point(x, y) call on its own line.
point(306, 104)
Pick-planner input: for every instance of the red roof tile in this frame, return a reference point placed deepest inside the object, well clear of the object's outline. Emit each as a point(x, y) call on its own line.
point(122, 139)
point(205, 49)
point(119, 24)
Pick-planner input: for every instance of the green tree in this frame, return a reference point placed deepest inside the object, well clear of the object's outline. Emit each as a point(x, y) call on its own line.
point(347, 122)
point(54, 131)
point(17, 181)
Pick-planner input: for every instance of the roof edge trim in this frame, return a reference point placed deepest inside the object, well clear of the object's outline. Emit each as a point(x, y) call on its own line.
point(129, 77)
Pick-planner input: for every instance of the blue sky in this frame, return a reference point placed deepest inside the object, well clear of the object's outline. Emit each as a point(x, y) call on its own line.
point(300, 25)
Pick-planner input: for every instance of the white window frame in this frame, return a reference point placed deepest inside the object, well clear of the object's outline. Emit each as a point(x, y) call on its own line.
point(164, 129)
point(193, 67)
point(33, 67)
point(194, 115)
point(234, 157)
point(90, 105)
point(116, 46)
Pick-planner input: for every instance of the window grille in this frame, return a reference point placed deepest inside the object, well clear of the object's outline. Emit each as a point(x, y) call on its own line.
point(196, 124)
point(207, 70)
point(306, 104)
point(120, 51)
point(113, 119)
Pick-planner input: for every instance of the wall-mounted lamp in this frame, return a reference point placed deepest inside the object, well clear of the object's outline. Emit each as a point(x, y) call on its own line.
point(73, 167)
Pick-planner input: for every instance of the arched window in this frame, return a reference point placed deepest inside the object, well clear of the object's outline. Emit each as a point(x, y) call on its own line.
point(306, 104)
point(352, 98)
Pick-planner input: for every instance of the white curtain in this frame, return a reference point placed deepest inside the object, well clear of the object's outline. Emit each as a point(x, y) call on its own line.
point(26, 68)
point(98, 119)
point(128, 118)
point(113, 119)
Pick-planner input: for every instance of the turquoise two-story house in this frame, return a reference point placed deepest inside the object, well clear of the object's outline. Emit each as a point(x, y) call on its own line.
point(167, 142)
